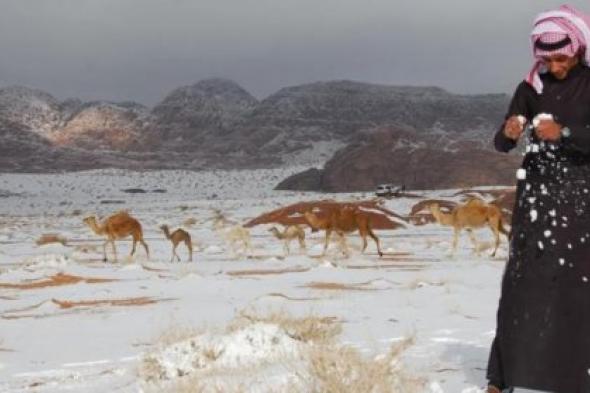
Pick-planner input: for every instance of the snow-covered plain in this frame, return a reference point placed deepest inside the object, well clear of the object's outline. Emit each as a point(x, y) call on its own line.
point(447, 304)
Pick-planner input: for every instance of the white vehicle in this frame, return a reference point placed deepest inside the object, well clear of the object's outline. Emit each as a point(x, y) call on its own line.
point(388, 190)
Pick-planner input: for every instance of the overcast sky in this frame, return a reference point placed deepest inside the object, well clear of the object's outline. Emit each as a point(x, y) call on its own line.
point(142, 49)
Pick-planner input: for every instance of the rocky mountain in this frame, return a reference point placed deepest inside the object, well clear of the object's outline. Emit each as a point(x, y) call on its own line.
point(288, 125)
point(215, 123)
point(103, 126)
point(30, 108)
point(401, 156)
point(204, 112)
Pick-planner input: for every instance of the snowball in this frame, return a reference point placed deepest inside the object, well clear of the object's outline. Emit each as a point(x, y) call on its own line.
point(521, 174)
point(534, 215)
point(541, 116)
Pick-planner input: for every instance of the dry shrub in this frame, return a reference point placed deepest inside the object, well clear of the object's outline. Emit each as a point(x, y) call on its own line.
point(176, 334)
point(344, 370)
point(48, 238)
point(326, 366)
point(149, 368)
point(308, 329)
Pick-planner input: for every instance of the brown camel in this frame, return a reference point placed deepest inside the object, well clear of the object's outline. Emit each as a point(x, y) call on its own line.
point(118, 226)
point(289, 233)
point(343, 220)
point(473, 214)
point(176, 237)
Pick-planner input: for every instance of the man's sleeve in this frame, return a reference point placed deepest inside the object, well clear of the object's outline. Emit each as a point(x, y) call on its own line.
point(521, 104)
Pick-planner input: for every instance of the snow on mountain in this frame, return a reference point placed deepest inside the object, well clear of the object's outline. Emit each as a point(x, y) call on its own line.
point(32, 108)
point(103, 125)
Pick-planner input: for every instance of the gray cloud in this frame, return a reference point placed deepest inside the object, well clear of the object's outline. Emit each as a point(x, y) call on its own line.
point(141, 49)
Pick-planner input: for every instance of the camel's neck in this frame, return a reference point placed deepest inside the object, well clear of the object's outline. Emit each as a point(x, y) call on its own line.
point(277, 233)
point(314, 221)
point(442, 218)
point(166, 232)
point(99, 230)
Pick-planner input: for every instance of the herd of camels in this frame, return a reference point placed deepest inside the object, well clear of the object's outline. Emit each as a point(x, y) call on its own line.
point(340, 219)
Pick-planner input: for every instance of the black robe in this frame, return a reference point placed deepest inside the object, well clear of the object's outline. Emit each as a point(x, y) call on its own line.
point(543, 322)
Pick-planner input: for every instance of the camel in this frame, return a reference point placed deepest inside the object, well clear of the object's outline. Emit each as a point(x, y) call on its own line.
point(473, 214)
point(342, 220)
point(232, 232)
point(289, 233)
point(118, 226)
point(179, 235)
point(236, 234)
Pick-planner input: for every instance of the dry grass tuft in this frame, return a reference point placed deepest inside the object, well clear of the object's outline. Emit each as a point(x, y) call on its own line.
point(345, 370)
point(48, 238)
point(325, 367)
point(176, 334)
point(308, 329)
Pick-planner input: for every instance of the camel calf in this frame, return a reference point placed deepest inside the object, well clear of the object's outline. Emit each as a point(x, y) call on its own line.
point(473, 214)
point(179, 235)
point(118, 226)
point(289, 233)
point(343, 220)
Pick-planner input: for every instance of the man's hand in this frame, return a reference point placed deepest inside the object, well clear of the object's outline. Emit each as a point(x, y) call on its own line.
point(513, 128)
point(548, 130)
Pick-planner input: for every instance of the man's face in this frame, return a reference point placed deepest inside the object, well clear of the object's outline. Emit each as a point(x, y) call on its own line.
point(560, 65)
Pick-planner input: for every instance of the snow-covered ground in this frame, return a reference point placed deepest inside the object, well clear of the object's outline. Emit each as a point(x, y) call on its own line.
point(91, 332)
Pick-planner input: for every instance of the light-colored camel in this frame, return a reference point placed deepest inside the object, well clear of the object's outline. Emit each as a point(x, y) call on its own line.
point(176, 237)
point(473, 214)
point(118, 226)
point(289, 233)
point(343, 220)
point(234, 235)
point(231, 232)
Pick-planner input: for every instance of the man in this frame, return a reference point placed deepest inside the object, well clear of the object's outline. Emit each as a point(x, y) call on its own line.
point(543, 324)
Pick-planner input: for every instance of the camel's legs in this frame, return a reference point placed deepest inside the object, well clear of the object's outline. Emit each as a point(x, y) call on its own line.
point(133, 248)
point(190, 249)
point(343, 244)
point(376, 239)
point(104, 251)
point(302, 243)
point(326, 241)
point(247, 245)
point(473, 240)
point(364, 237)
point(455, 239)
point(147, 250)
point(495, 228)
point(174, 253)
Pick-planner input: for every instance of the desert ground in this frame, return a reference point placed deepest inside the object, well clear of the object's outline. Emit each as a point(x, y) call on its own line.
point(418, 319)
